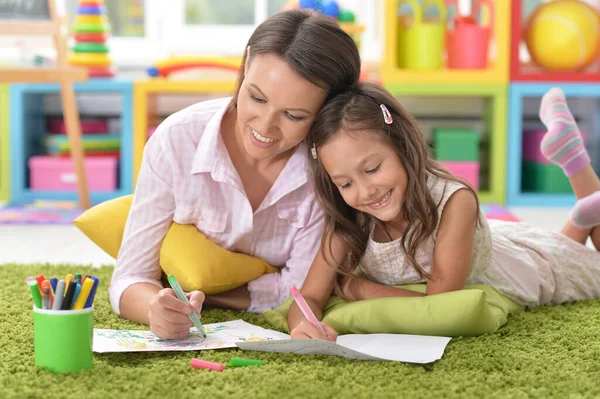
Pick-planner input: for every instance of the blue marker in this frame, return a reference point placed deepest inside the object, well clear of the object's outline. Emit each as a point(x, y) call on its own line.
point(90, 299)
point(53, 282)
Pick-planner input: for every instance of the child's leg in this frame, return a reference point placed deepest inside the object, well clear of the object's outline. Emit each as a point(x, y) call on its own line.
point(596, 237)
point(563, 145)
point(575, 233)
point(584, 220)
point(585, 215)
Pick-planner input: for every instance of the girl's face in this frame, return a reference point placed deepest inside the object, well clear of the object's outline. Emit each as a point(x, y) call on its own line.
point(276, 107)
point(367, 172)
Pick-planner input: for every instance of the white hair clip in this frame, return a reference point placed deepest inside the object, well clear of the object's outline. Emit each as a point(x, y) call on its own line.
point(313, 150)
point(387, 117)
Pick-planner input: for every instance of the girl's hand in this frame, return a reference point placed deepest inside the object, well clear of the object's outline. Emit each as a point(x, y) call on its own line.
point(306, 330)
point(169, 316)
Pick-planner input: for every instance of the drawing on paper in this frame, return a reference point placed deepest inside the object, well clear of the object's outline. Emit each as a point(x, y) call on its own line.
point(218, 336)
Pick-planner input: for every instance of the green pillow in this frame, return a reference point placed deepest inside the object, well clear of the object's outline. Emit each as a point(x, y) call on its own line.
point(473, 311)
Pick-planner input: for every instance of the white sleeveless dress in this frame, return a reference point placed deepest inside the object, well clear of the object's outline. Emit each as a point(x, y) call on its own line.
point(529, 265)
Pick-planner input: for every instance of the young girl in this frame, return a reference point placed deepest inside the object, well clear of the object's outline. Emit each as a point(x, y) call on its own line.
point(396, 213)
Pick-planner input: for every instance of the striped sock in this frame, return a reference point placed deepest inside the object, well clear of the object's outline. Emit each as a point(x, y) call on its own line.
point(563, 143)
point(586, 212)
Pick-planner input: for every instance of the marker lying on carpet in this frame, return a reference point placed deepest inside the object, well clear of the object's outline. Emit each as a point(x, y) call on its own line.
point(310, 316)
point(203, 364)
point(239, 362)
point(179, 292)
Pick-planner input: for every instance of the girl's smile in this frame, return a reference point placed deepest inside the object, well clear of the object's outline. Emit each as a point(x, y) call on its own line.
point(367, 172)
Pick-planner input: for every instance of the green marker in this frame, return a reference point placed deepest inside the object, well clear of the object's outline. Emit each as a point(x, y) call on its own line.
point(239, 362)
point(35, 292)
point(179, 292)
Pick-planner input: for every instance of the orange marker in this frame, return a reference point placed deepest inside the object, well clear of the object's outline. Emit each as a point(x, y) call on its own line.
point(45, 284)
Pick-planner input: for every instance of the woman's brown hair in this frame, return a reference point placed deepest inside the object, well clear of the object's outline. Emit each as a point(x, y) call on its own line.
point(358, 109)
point(313, 45)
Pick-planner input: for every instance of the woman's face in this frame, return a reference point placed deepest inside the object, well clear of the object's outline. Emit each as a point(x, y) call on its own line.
point(275, 107)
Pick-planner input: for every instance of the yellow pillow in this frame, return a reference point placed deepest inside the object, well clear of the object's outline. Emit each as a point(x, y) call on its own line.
point(196, 262)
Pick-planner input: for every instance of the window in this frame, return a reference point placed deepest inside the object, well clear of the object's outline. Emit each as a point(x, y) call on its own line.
point(215, 27)
point(143, 31)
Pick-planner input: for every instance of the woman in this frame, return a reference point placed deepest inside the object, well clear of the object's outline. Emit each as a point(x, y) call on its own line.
point(237, 169)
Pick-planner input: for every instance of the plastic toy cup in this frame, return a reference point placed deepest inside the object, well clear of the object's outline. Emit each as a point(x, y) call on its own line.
point(468, 43)
point(63, 339)
point(421, 43)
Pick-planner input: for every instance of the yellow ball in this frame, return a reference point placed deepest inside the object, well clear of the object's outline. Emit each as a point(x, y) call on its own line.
point(563, 35)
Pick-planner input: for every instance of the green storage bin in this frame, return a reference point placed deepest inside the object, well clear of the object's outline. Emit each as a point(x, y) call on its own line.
point(456, 145)
point(544, 178)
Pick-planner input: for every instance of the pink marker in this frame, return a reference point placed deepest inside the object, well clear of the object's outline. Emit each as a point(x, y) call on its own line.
point(310, 316)
point(203, 364)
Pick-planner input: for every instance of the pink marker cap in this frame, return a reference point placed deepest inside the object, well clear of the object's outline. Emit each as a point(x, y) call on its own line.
point(203, 364)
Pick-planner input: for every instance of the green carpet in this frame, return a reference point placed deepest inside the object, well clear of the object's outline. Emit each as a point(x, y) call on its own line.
point(543, 353)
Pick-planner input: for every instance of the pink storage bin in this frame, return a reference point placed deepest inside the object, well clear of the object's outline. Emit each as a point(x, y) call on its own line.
point(151, 131)
point(57, 174)
point(532, 139)
point(466, 170)
point(90, 126)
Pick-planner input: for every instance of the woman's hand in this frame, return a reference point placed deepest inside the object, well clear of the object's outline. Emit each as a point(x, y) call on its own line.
point(169, 316)
point(307, 330)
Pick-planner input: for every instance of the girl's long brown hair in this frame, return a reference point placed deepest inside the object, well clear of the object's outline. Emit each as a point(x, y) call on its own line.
point(359, 109)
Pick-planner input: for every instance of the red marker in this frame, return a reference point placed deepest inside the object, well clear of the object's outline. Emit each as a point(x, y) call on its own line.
point(40, 279)
point(203, 364)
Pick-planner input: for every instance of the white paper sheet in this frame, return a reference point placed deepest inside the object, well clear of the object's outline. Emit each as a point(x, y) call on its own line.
point(218, 336)
point(394, 347)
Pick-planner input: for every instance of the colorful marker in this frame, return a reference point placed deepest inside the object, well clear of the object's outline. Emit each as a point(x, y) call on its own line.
point(83, 295)
point(203, 364)
point(53, 282)
point(239, 362)
point(59, 295)
point(40, 278)
point(35, 293)
point(68, 279)
point(179, 292)
point(310, 316)
point(46, 296)
point(46, 284)
point(69, 295)
point(90, 299)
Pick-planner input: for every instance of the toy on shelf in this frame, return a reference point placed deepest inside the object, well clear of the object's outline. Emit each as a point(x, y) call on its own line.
point(458, 151)
point(434, 45)
point(96, 138)
point(468, 42)
point(420, 41)
point(561, 40)
point(166, 67)
point(91, 33)
point(56, 174)
point(570, 28)
point(345, 17)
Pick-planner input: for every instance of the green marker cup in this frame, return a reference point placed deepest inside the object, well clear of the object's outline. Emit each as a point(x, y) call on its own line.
point(64, 339)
